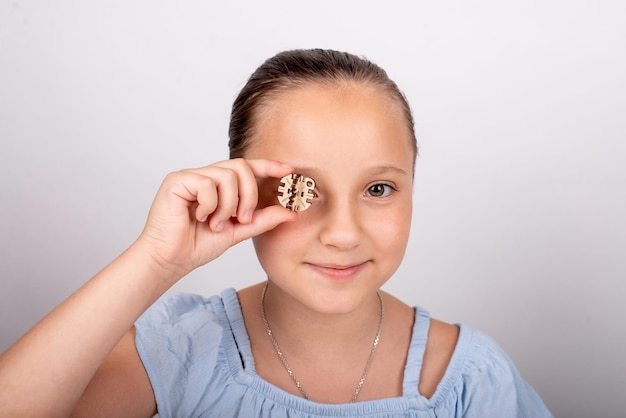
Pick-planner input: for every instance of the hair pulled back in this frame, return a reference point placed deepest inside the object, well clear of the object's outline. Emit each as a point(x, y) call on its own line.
point(294, 68)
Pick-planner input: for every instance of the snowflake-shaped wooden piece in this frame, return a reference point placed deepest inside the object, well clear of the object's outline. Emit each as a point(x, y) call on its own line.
point(296, 191)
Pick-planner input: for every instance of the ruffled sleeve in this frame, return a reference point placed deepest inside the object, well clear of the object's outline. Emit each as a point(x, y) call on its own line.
point(178, 341)
point(491, 384)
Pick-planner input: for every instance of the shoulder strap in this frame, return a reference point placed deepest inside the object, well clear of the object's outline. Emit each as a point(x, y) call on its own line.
point(415, 356)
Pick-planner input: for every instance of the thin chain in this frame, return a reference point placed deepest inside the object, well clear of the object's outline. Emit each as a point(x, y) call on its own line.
point(282, 358)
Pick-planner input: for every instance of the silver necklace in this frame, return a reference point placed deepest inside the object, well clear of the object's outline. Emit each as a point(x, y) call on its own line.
point(282, 358)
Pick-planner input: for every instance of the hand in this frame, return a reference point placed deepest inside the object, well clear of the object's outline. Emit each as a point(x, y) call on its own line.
point(198, 214)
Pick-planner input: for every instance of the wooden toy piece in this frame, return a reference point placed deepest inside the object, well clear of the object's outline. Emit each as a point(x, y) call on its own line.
point(296, 191)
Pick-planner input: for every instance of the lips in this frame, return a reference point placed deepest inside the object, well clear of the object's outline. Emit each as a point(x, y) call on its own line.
point(338, 272)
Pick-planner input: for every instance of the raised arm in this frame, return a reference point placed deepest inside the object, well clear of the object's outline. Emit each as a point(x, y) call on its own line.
point(196, 215)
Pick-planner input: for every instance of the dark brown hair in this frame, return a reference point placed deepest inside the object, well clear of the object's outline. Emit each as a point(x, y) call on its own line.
point(294, 68)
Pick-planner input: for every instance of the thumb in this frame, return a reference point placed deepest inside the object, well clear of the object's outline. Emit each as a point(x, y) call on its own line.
point(263, 220)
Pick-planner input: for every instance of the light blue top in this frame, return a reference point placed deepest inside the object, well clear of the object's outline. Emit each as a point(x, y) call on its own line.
point(197, 354)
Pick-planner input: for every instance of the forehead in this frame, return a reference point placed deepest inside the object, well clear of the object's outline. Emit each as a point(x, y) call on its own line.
point(319, 124)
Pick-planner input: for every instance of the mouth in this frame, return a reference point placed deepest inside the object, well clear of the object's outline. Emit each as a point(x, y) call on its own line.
point(338, 272)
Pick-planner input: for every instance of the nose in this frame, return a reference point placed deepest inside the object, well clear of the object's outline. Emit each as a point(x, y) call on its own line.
point(341, 225)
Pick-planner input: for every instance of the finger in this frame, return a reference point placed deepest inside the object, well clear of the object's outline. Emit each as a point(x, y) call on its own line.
point(260, 168)
point(206, 197)
point(189, 189)
point(213, 192)
point(227, 188)
point(268, 168)
point(262, 221)
point(248, 192)
point(247, 171)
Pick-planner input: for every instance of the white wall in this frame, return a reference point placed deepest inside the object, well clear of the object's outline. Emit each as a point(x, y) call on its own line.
point(519, 223)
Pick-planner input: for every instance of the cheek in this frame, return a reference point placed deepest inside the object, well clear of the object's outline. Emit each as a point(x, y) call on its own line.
point(279, 250)
point(277, 242)
point(262, 247)
point(391, 228)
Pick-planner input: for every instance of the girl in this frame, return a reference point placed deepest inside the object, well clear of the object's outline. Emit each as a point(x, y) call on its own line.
point(317, 338)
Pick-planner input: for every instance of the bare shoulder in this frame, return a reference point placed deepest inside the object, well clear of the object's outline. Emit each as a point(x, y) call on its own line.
point(442, 339)
point(121, 386)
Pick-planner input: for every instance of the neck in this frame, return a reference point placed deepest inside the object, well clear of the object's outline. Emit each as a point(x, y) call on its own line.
point(300, 327)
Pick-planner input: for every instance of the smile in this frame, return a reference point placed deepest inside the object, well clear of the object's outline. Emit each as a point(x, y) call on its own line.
point(338, 272)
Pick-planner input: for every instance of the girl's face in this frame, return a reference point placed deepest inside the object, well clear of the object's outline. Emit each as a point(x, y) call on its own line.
point(353, 141)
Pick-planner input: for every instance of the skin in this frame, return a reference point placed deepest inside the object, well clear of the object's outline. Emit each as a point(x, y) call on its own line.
point(324, 267)
point(353, 237)
point(88, 339)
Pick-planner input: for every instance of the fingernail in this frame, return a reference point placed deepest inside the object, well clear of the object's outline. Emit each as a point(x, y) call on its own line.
point(246, 216)
point(219, 226)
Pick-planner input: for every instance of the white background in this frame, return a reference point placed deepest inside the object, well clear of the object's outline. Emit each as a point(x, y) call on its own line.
point(519, 226)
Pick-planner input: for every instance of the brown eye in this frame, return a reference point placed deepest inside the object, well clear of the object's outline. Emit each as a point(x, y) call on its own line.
point(379, 190)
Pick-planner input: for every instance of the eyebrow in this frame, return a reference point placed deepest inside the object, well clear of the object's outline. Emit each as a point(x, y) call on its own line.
point(383, 169)
point(376, 170)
